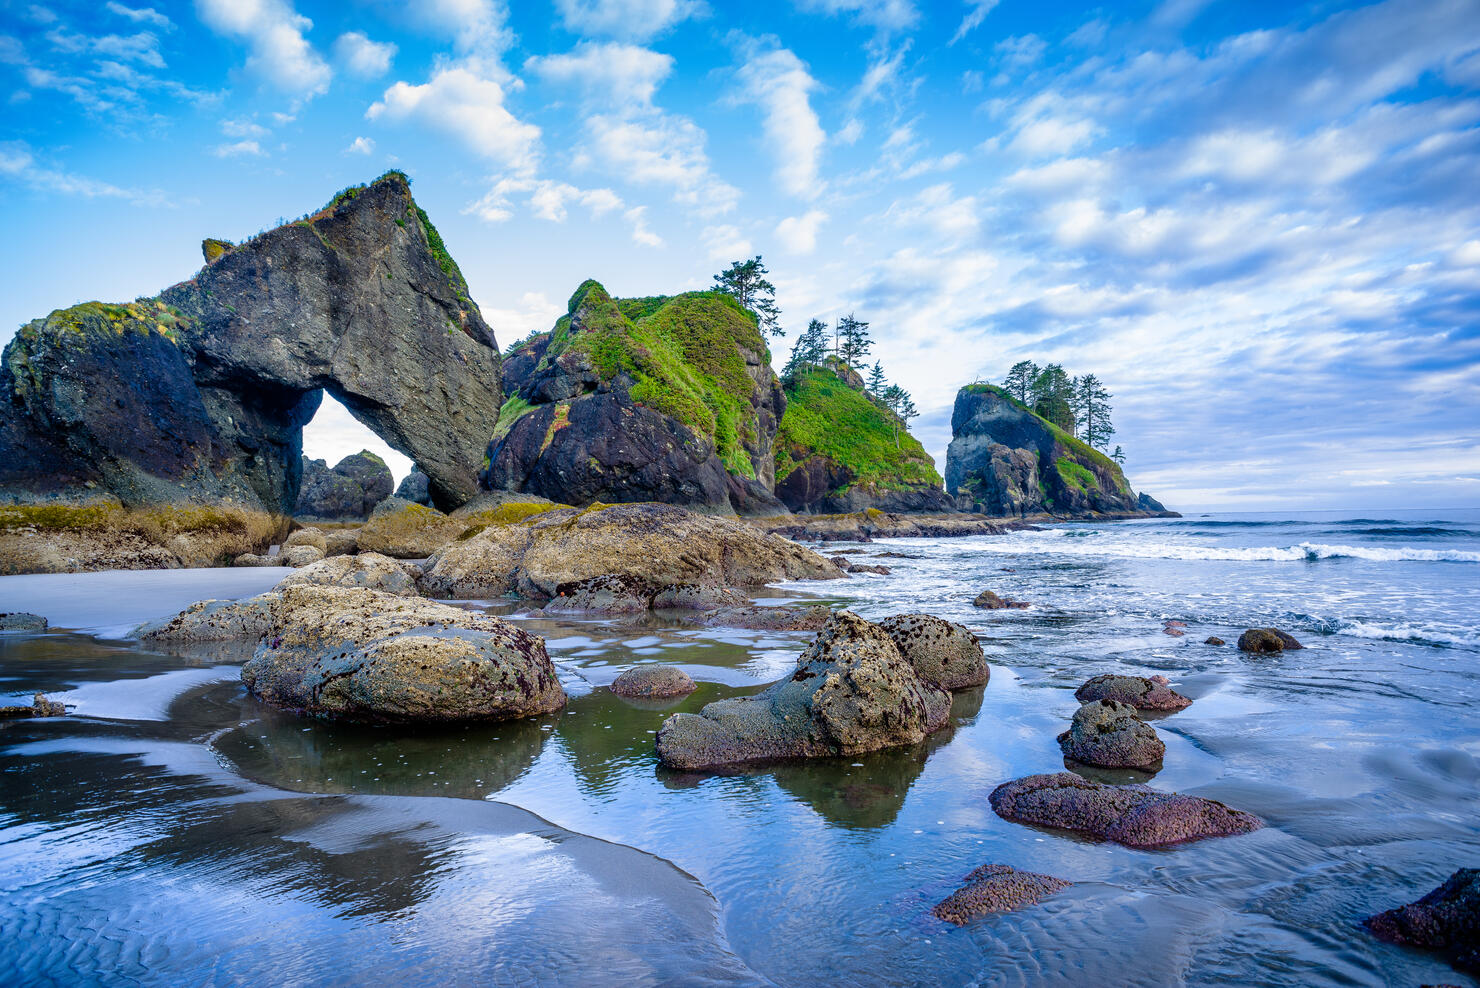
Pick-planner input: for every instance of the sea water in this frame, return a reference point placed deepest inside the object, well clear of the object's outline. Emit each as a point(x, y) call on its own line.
point(171, 830)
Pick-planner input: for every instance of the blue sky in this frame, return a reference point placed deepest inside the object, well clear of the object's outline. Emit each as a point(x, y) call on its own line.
point(1258, 223)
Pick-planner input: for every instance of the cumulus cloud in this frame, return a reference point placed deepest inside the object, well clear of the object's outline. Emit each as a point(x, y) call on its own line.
point(546, 199)
point(238, 149)
point(778, 82)
point(609, 74)
point(362, 57)
point(659, 149)
point(724, 243)
point(361, 145)
point(533, 313)
point(641, 235)
point(798, 234)
point(470, 109)
point(274, 33)
point(633, 20)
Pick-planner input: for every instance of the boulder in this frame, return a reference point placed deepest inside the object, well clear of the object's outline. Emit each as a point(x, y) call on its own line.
point(988, 600)
point(213, 621)
point(406, 530)
point(1011, 461)
point(414, 488)
point(1214, 640)
point(995, 888)
point(300, 555)
point(780, 617)
point(1145, 502)
point(1267, 640)
point(40, 707)
point(1446, 920)
point(852, 692)
point(617, 594)
point(1108, 734)
point(943, 653)
point(341, 542)
point(22, 621)
point(202, 394)
point(253, 559)
point(653, 682)
point(1154, 693)
point(1136, 815)
point(370, 570)
point(306, 536)
point(368, 656)
point(349, 490)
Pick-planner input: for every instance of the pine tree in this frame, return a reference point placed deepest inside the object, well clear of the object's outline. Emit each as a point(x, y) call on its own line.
point(746, 282)
point(876, 382)
point(1092, 404)
point(1118, 456)
point(1053, 397)
point(907, 411)
point(853, 340)
point(1019, 382)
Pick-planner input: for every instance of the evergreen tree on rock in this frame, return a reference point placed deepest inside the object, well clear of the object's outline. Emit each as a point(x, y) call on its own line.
point(746, 282)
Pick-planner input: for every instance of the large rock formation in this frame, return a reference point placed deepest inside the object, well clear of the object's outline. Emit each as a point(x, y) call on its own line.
point(1006, 460)
point(347, 491)
point(840, 450)
point(1447, 920)
point(202, 393)
point(652, 399)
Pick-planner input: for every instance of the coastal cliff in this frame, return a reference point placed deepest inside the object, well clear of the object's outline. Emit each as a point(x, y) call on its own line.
point(1006, 460)
point(652, 399)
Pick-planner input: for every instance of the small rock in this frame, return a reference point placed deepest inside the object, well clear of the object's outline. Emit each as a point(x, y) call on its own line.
point(306, 536)
point(1174, 628)
point(341, 542)
point(1137, 691)
point(942, 652)
point(40, 707)
point(1214, 640)
point(1136, 816)
point(22, 621)
point(991, 602)
point(1267, 640)
point(1447, 920)
point(1108, 734)
point(781, 617)
point(653, 682)
point(300, 555)
point(252, 559)
point(213, 621)
point(995, 888)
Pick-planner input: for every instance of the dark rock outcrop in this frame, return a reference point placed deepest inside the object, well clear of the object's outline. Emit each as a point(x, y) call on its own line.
point(1149, 504)
point(1139, 692)
point(1267, 640)
point(22, 621)
point(202, 393)
point(995, 888)
point(362, 655)
point(348, 491)
point(1446, 920)
point(653, 682)
point(852, 692)
point(1010, 461)
point(416, 488)
point(659, 399)
point(1108, 734)
point(1136, 815)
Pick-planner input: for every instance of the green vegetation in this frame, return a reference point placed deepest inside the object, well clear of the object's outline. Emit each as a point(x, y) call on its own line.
point(213, 248)
point(511, 513)
point(439, 249)
point(825, 416)
point(198, 535)
point(682, 353)
point(1084, 455)
point(512, 410)
point(1075, 475)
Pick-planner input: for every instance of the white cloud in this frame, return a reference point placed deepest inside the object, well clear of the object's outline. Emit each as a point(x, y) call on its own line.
point(142, 15)
point(979, 9)
point(798, 234)
point(938, 210)
point(661, 150)
point(724, 243)
point(635, 20)
point(238, 149)
point(885, 15)
point(470, 109)
point(361, 145)
point(142, 47)
point(362, 57)
point(1052, 136)
point(18, 163)
point(779, 83)
point(273, 32)
point(611, 73)
point(546, 199)
point(640, 232)
point(478, 30)
point(534, 313)
point(242, 127)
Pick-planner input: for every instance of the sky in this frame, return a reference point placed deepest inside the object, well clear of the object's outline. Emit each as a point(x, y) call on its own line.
point(1257, 223)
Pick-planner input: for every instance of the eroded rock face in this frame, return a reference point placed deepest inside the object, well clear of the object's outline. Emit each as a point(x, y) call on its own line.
point(1447, 920)
point(369, 570)
point(653, 682)
point(1267, 640)
point(1136, 816)
point(1140, 692)
point(995, 888)
point(1108, 734)
point(852, 692)
point(943, 653)
point(202, 394)
point(1009, 461)
point(368, 656)
point(348, 491)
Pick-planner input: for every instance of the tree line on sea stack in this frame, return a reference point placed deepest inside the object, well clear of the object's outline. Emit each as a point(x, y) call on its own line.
point(1078, 405)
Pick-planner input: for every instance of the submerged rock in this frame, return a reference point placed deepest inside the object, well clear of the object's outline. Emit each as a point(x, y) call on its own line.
point(1136, 816)
point(22, 621)
point(995, 888)
point(370, 570)
point(852, 692)
point(1108, 734)
point(1447, 920)
point(653, 682)
point(40, 707)
point(1136, 691)
point(369, 656)
point(943, 653)
point(988, 600)
point(1267, 640)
